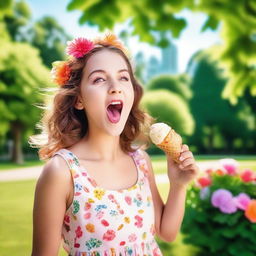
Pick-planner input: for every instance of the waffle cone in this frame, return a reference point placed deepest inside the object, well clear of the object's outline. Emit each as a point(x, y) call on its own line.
point(171, 145)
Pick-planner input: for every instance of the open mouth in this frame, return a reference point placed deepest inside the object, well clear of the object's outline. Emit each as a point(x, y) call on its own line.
point(114, 111)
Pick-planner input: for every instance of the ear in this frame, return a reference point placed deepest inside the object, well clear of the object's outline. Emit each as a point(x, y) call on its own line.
point(79, 104)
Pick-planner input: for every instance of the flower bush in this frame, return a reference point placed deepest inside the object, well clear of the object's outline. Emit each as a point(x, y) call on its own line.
point(220, 216)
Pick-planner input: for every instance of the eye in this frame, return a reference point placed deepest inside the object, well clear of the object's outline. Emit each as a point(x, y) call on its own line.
point(97, 79)
point(126, 78)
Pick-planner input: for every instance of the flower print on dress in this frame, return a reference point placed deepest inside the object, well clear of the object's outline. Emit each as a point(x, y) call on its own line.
point(87, 215)
point(128, 200)
point(120, 226)
point(100, 214)
point(125, 223)
point(104, 223)
point(113, 213)
point(138, 200)
point(90, 227)
point(78, 188)
point(127, 220)
point(66, 223)
point(138, 222)
point(109, 235)
point(93, 243)
point(99, 193)
point(100, 206)
point(76, 206)
point(132, 237)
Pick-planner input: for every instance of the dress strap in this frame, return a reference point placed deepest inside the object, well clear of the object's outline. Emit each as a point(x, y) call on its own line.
point(71, 161)
point(141, 162)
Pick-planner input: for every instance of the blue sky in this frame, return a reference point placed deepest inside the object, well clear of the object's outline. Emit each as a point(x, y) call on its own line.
point(190, 41)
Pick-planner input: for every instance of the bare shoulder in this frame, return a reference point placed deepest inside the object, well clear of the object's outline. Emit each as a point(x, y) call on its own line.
point(51, 193)
point(55, 168)
point(55, 174)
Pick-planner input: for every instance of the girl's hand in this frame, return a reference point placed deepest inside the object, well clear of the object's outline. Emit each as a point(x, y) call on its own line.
point(181, 174)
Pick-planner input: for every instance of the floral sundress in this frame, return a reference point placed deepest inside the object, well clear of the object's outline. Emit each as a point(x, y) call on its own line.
point(103, 222)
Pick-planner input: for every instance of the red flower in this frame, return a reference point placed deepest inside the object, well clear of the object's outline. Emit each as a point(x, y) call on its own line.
point(66, 219)
point(247, 175)
point(109, 235)
point(79, 47)
point(122, 243)
point(204, 181)
point(104, 222)
point(79, 232)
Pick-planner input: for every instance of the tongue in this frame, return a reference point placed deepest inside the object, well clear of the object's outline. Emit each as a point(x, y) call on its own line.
point(113, 114)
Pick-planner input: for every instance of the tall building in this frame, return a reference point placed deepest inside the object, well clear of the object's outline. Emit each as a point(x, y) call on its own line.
point(167, 65)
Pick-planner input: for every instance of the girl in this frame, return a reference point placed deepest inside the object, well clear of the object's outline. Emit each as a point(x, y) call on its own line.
point(97, 192)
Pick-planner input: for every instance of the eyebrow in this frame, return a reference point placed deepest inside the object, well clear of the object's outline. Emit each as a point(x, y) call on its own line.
point(103, 71)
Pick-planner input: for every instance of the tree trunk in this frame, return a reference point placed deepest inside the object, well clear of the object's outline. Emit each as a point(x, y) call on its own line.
point(17, 155)
point(210, 140)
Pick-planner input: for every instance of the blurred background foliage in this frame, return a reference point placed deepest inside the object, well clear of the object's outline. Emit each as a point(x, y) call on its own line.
point(212, 105)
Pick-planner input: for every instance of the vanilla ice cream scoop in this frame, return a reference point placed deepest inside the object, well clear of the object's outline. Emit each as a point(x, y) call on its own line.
point(164, 137)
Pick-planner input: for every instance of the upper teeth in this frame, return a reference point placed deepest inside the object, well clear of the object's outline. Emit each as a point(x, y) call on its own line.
point(116, 102)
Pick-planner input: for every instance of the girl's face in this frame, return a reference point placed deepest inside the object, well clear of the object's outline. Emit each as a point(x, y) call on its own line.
point(106, 78)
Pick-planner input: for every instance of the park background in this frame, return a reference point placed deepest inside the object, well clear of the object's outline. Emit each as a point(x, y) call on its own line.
point(196, 61)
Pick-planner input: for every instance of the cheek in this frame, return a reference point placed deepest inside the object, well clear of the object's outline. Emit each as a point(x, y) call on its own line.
point(92, 100)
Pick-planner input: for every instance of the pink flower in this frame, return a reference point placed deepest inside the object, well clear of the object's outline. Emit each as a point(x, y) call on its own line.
point(128, 200)
point(87, 215)
point(79, 47)
point(230, 165)
point(138, 223)
point(242, 201)
point(247, 175)
point(109, 235)
point(132, 237)
point(223, 200)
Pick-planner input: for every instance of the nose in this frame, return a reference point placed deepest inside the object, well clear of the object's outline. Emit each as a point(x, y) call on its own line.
point(114, 87)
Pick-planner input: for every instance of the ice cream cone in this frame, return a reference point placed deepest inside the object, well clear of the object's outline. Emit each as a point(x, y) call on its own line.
point(171, 143)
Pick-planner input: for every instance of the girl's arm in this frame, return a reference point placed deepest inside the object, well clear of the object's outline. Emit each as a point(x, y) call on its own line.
point(168, 217)
point(51, 193)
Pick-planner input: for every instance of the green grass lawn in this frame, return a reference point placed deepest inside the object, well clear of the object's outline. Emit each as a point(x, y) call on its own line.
point(5, 166)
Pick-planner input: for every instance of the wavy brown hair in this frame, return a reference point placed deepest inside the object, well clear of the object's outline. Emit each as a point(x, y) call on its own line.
point(62, 125)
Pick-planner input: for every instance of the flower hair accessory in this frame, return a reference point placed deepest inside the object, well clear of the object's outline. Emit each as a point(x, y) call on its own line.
point(77, 49)
point(60, 72)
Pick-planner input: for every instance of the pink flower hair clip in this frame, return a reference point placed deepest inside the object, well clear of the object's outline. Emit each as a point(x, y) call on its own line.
point(79, 47)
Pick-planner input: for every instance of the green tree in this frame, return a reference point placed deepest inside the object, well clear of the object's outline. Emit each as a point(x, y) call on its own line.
point(22, 74)
point(170, 108)
point(178, 84)
point(216, 119)
point(16, 19)
point(238, 20)
point(50, 38)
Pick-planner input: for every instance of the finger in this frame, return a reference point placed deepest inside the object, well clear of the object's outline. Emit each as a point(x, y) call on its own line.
point(185, 155)
point(194, 168)
point(187, 162)
point(184, 148)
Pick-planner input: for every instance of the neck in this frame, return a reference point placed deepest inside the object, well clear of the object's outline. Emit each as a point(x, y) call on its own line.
point(103, 147)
